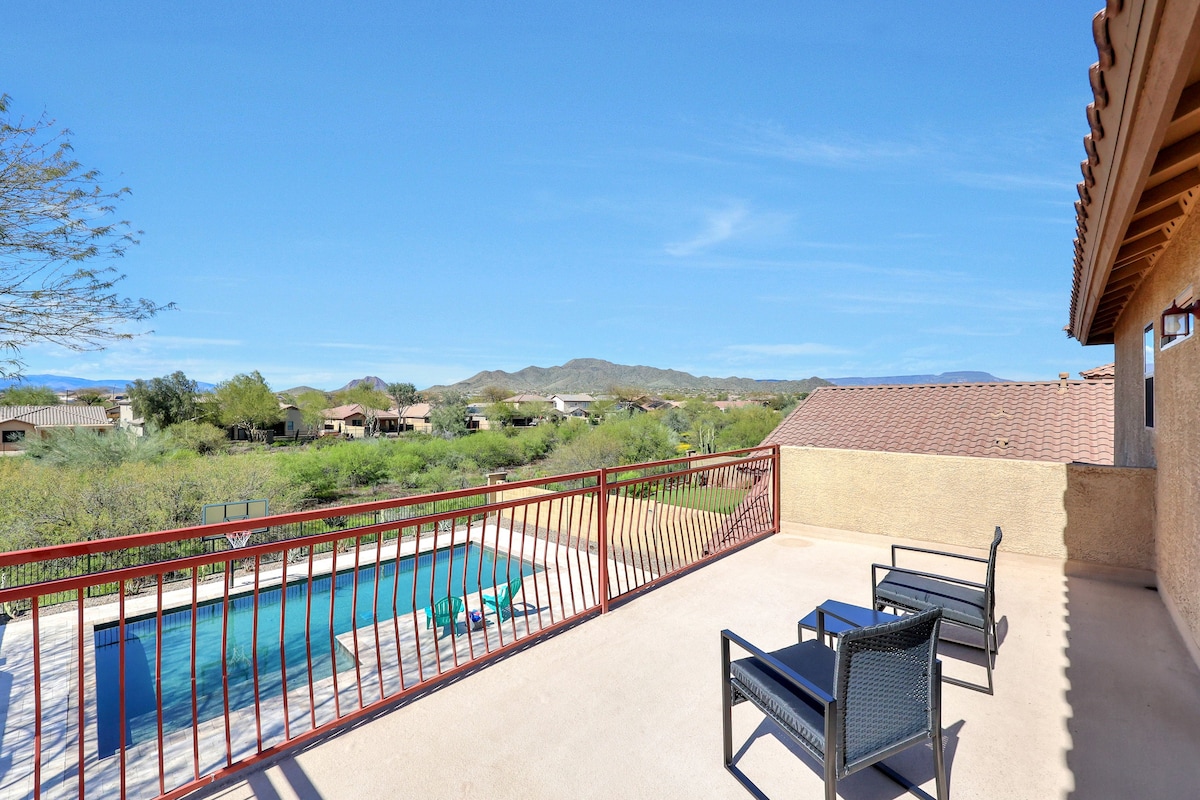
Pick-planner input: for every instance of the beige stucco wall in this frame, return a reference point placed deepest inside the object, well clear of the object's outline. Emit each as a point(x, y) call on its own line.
point(1089, 513)
point(1174, 444)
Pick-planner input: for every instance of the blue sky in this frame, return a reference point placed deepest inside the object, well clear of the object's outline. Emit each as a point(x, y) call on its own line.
point(420, 192)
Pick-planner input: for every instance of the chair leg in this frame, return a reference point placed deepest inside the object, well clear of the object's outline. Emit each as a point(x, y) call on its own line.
point(830, 776)
point(726, 704)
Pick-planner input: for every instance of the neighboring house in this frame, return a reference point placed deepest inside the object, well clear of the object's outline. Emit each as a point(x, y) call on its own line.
point(347, 420)
point(517, 399)
point(1137, 267)
point(126, 420)
point(568, 403)
point(19, 424)
point(292, 423)
point(416, 418)
point(477, 418)
point(725, 405)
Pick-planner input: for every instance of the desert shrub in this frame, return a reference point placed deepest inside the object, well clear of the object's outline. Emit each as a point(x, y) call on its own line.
point(747, 427)
point(199, 437)
point(71, 447)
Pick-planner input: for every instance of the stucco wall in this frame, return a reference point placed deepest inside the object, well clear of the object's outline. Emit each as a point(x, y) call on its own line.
point(1097, 514)
point(1175, 442)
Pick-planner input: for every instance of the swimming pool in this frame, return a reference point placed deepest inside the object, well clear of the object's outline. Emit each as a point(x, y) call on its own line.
point(430, 578)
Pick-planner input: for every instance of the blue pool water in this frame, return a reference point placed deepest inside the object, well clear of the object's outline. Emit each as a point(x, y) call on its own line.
point(466, 568)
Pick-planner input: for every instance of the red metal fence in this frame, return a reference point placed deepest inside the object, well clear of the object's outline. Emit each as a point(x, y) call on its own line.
point(151, 665)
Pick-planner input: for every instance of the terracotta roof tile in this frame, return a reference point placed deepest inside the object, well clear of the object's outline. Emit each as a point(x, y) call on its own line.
point(56, 416)
point(1053, 421)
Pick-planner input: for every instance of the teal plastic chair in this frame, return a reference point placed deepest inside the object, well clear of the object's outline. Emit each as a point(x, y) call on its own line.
point(444, 612)
point(503, 599)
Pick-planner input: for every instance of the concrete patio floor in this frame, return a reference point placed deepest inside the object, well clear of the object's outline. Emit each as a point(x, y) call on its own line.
point(1096, 697)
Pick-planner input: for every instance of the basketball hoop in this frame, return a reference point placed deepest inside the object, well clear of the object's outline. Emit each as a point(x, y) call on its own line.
point(237, 540)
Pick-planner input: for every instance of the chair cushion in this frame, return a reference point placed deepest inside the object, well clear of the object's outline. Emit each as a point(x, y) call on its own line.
point(960, 604)
point(802, 716)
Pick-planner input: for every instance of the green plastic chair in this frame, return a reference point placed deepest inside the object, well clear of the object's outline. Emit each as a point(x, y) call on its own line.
point(503, 599)
point(444, 612)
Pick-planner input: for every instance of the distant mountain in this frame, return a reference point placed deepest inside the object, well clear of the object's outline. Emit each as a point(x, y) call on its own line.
point(370, 380)
point(945, 377)
point(596, 376)
point(63, 383)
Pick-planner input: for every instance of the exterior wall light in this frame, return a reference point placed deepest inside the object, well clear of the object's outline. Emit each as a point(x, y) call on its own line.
point(1177, 321)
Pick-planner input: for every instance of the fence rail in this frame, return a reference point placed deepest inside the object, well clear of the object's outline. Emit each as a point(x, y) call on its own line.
point(174, 665)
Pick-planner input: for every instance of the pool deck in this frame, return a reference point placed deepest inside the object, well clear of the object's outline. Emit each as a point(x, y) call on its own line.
point(1096, 697)
point(422, 651)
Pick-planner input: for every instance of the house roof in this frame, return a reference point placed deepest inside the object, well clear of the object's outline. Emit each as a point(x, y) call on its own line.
point(342, 412)
point(1059, 421)
point(725, 405)
point(58, 416)
point(1101, 372)
point(526, 398)
point(1141, 174)
point(574, 398)
point(420, 410)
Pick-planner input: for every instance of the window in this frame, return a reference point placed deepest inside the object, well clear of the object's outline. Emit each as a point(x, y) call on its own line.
point(290, 425)
point(12, 437)
point(1148, 372)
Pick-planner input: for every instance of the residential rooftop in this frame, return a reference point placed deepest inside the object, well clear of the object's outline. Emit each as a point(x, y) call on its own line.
point(1059, 421)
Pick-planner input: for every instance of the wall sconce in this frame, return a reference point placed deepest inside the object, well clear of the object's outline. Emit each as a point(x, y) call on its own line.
point(1177, 322)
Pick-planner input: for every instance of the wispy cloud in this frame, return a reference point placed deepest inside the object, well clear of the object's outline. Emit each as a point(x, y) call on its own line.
point(799, 349)
point(720, 226)
point(1009, 181)
point(772, 141)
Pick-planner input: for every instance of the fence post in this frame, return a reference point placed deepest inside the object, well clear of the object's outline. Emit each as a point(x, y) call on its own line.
point(602, 534)
point(777, 479)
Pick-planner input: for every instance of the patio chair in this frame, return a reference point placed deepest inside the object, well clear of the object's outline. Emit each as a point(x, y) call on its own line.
point(444, 612)
point(503, 599)
point(879, 693)
point(969, 604)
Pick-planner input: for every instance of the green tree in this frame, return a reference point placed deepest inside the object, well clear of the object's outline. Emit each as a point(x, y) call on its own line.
point(372, 401)
point(449, 415)
point(28, 396)
point(747, 427)
point(90, 397)
point(494, 394)
point(403, 394)
point(164, 401)
point(246, 402)
point(57, 228)
point(312, 407)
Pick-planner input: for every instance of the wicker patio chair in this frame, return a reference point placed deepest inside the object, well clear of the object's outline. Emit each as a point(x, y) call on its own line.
point(877, 694)
point(963, 602)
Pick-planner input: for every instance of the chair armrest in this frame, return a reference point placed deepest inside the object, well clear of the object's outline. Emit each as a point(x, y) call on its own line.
point(920, 573)
point(927, 551)
point(823, 612)
point(778, 667)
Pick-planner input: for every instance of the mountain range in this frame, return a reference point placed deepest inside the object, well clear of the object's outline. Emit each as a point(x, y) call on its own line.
point(591, 375)
point(596, 376)
point(63, 383)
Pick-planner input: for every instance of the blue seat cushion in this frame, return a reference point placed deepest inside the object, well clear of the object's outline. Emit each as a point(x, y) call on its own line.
point(802, 716)
point(960, 604)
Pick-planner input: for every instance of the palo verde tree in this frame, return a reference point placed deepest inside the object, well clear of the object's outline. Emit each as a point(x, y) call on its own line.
point(28, 396)
point(165, 401)
point(403, 394)
point(246, 402)
point(449, 415)
point(57, 231)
